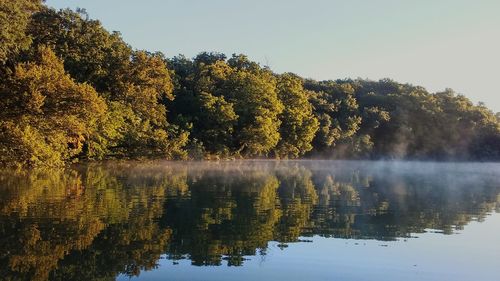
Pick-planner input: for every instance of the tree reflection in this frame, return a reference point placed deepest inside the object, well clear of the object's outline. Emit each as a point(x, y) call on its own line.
point(224, 217)
point(93, 222)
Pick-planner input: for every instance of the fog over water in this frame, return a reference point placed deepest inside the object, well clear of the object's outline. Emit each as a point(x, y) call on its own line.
point(247, 220)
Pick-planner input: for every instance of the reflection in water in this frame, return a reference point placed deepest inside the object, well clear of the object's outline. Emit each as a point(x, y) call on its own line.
point(97, 221)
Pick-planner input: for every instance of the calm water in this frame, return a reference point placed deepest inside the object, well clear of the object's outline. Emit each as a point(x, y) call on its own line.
point(254, 220)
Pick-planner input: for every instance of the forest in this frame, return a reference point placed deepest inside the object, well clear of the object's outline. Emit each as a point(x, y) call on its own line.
point(72, 91)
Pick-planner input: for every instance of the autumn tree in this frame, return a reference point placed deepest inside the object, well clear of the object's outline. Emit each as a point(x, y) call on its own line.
point(14, 19)
point(47, 116)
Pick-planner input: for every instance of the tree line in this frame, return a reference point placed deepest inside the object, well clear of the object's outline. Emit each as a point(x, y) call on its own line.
point(70, 90)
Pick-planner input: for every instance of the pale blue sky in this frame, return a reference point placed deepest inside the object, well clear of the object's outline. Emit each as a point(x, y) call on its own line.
point(433, 43)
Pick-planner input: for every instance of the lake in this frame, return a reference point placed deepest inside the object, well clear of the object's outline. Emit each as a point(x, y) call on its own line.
point(252, 220)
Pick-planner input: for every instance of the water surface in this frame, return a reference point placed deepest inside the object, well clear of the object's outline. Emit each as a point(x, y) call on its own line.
point(251, 220)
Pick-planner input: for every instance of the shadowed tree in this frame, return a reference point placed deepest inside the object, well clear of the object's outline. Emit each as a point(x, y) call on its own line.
point(90, 53)
point(337, 111)
point(14, 19)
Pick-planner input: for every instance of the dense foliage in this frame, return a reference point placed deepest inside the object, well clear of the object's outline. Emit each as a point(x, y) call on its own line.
point(71, 90)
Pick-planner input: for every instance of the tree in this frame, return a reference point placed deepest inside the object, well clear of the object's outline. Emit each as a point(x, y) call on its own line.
point(252, 89)
point(232, 105)
point(337, 111)
point(200, 104)
point(70, 90)
point(139, 124)
point(298, 123)
point(90, 53)
point(47, 116)
point(135, 85)
point(14, 19)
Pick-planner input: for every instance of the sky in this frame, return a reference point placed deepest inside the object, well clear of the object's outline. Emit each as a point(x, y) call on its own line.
point(437, 44)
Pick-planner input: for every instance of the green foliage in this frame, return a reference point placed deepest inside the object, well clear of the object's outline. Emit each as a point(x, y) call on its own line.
point(337, 111)
point(404, 121)
point(71, 90)
point(232, 105)
point(253, 92)
point(139, 113)
point(298, 123)
point(200, 101)
point(135, 85)
point(90, 53)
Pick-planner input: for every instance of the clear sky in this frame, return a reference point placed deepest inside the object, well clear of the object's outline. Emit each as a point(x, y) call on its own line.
point(434, 43)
